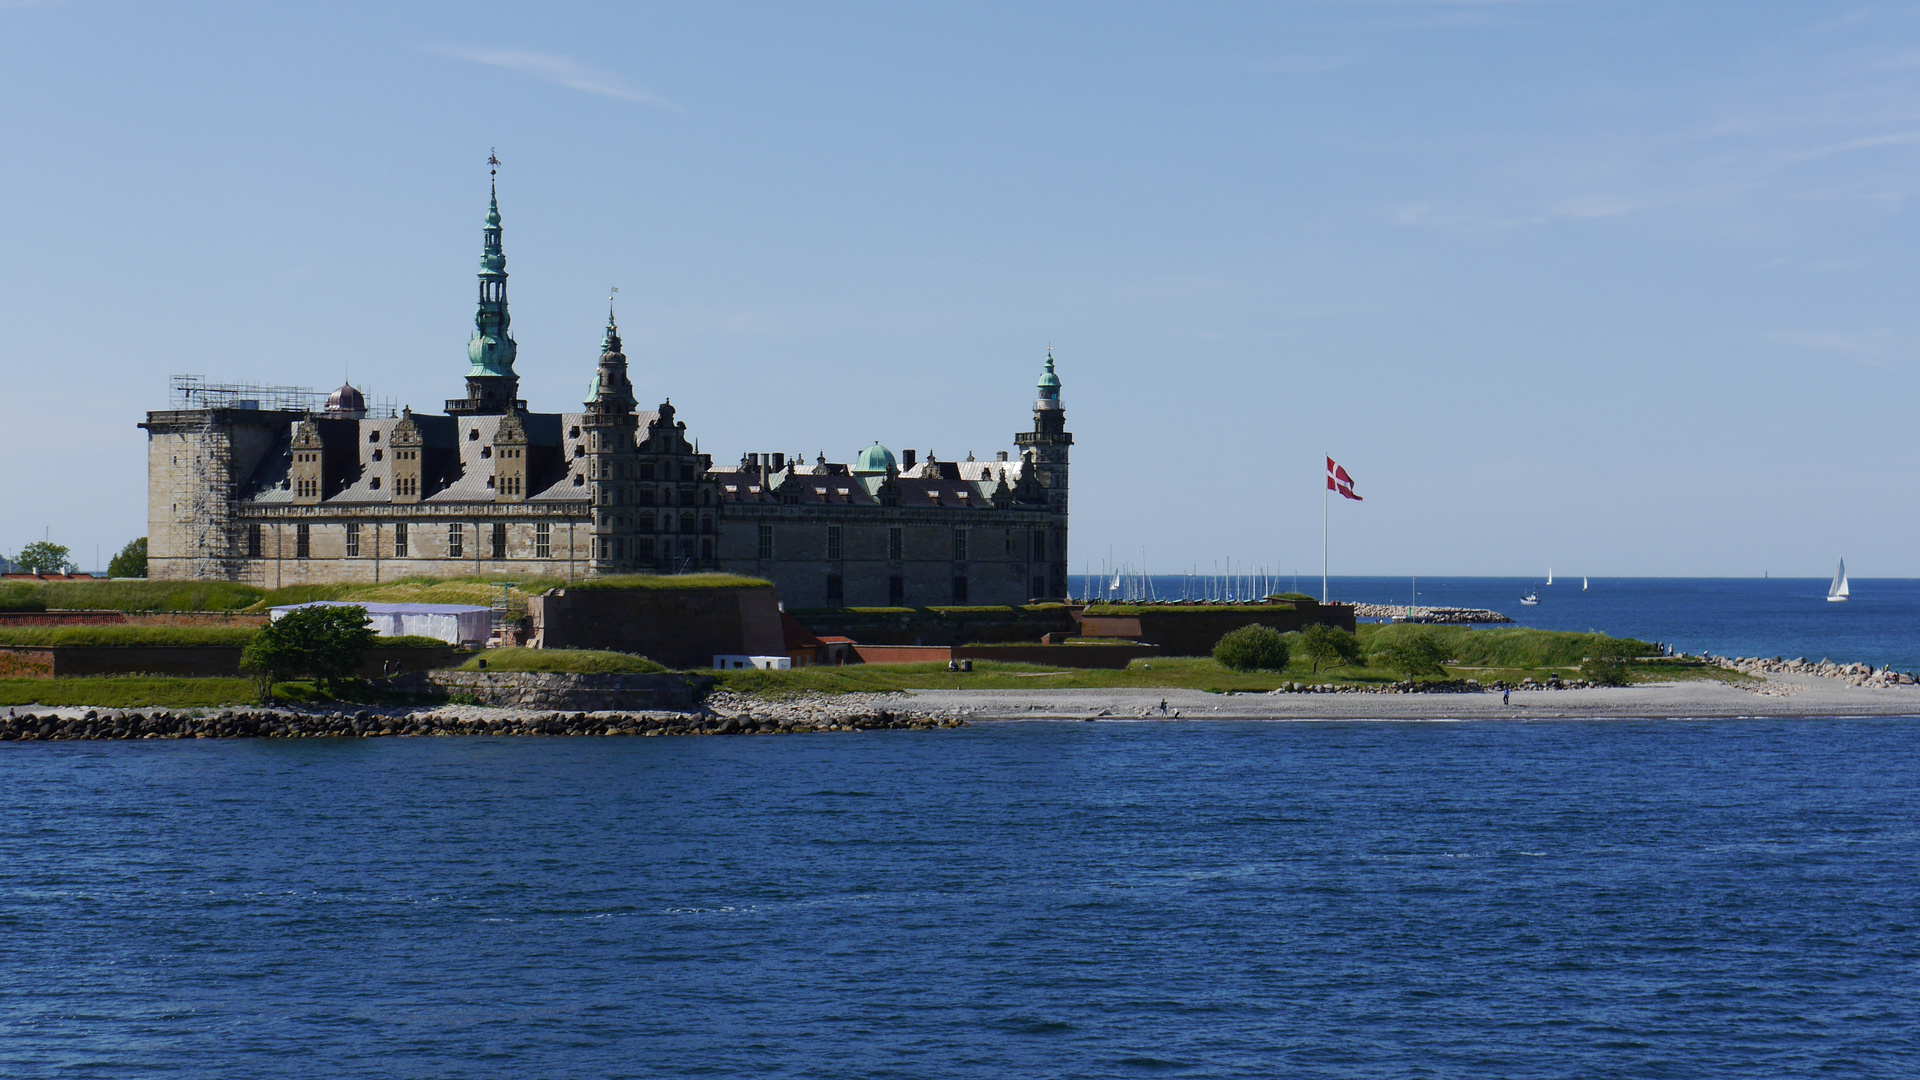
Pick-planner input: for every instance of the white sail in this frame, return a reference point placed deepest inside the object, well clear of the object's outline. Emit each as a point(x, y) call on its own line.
point(1838, 590)
point(1583, 583)
point(1549, 575)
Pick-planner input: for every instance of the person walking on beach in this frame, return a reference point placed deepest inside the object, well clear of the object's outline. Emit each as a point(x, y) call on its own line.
point(1506, 694)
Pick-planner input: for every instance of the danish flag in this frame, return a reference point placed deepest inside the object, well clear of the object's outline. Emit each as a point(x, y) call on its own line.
point(1338, 480)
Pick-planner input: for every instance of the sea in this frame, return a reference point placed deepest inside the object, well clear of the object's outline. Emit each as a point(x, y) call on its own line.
point(1664, 899)
point(1784, 617)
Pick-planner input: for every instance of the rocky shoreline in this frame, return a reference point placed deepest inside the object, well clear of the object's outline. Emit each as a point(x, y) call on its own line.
point(1447, 616)
point(724, 714)
point(1854, 674)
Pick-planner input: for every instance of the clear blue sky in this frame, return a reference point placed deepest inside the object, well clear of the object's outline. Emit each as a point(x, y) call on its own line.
point(1616, 287)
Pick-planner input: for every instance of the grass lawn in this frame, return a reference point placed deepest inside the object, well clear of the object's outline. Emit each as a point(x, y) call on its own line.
point(128, 692)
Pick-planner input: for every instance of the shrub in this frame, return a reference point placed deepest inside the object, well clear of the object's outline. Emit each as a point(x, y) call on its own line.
point(326, 643)
point(1607, 666)
point(1329, 645)
point(1252, 648)
point(575, 661)
point(1420, 652)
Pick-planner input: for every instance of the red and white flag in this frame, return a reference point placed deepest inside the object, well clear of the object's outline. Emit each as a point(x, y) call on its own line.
point(1338, 480)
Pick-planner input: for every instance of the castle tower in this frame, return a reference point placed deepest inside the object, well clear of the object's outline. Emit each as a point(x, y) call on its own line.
point(492, 386)
point(1049, 439)
point(610, 438)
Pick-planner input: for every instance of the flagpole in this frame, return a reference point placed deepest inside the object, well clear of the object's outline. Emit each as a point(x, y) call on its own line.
point(1323, 540)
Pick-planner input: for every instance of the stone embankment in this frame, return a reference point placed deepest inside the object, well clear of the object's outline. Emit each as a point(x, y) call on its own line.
point(743, 719)
point(1854, 674)
point(1453, 616)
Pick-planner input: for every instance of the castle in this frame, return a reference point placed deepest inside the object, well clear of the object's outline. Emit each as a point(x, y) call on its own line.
point(275, 490)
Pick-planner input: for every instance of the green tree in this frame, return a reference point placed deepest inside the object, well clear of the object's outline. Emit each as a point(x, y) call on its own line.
point(44, 557)
point(1252, 648)
point(1415, 653)
point(325, 643)
point(1329, 645)
point(131, 562)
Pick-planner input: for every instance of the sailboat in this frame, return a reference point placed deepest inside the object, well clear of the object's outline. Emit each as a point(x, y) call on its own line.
point(1549, 577)
point(1583, 583)
point(1838, 590)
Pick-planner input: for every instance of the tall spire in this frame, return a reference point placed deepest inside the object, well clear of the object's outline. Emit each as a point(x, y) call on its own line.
point(492, 386)
point(492, 348)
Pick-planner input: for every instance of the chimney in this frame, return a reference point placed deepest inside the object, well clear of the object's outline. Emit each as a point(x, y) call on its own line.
point(1003, 455)
point(779, 462)
point(906, 460)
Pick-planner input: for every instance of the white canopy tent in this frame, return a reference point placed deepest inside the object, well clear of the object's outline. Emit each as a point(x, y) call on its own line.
point(452, 623)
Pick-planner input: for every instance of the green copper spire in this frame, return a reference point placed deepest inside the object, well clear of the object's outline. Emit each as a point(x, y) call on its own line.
point(1049, 382)
point(492, 348)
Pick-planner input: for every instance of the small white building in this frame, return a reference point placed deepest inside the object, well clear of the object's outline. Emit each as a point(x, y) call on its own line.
point(740, 662)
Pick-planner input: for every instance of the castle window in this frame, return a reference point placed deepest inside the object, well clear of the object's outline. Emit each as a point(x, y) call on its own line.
point(578, 480)
point(353, 539)
point(666, 522)
point(373, 484)
point(620, 549)
point(373, 436)
point(686, 472)
point(377, 453)
point(456, 541)
point(896, 542)
point(766, 541)
point(399, 539)
point(499, 540)
point(1039, 588)
point(1039, 544)
point(605, 548)
point(706, 548)
point(959, 590)
point(643, 548)
point(646, 471)
point(1009, 541)
point(573, 432)
point(706, 524)
point(486, 451)
point(489, 481)
point(253, 540)
point(686, 547)
point(579, 451)
point(836, 589)
point(646, 496)
point(896, 591)
point(960, 545)
point(543, 540)
point(473, 435)
point(834, 544)
point(686, 523)
point(302, 541)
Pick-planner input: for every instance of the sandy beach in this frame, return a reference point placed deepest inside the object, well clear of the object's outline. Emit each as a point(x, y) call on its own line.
point(1791, 696)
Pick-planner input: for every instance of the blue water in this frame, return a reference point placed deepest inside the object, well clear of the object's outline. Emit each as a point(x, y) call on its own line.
point(1786, 617)
point(1617, 899)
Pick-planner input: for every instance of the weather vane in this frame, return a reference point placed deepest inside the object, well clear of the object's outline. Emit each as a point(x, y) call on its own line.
point(613, 290)
point(493, 163)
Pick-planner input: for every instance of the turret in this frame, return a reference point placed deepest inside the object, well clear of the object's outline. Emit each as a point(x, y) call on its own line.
point(1044, 466)
point(609, 427)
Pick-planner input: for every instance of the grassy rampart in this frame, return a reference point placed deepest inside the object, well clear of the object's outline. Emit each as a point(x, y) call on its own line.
point(568, 661)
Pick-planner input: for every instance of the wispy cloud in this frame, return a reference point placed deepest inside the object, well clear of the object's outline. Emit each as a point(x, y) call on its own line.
point(561, 70)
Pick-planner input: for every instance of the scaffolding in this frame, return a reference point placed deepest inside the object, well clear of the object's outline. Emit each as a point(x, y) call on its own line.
point(196, 392)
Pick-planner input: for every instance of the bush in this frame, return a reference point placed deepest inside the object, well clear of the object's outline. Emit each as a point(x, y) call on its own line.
point(326, 643)
point(1252, 648)
point(574, 661)
point(1607, 666)
point(1420, 652)
point(1329, 645)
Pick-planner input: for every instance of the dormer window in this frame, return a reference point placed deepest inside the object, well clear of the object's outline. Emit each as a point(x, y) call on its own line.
point(376, 455)
point(486, 451)
point(373, 436)
point(473, 435)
